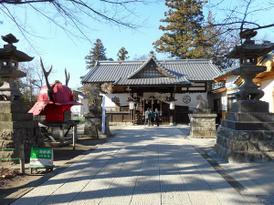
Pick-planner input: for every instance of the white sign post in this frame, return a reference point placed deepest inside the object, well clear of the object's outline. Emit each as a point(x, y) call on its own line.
point(104, 114)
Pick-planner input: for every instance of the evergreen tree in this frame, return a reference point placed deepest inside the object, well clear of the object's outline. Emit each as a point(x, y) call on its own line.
point(152, 53)
point(184, 35)
point(98, 52)
point(122, 54)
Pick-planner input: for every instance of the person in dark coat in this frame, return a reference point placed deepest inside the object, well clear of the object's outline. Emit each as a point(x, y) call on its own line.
point(146, 116)
point(156, 117)
point(150, 115)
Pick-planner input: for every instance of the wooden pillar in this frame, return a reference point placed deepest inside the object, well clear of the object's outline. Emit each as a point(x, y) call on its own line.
point(272, 110)
point(133, 115)
point(171, 117)
point(22, 158)
point(143, 106)
point(74, 136)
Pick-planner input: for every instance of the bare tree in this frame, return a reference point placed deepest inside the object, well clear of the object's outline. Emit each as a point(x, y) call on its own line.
point(71, 12)
point(242, 15)
point(32, 83)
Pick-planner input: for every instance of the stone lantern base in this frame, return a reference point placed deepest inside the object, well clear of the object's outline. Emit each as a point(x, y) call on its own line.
point(203, 125)
point(92, 125)
point(16, 128)
point(245, 145)
point(247, 134)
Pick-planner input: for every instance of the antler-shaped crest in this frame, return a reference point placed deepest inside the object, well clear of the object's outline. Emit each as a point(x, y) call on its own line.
point(67, 75)
point(46, 74)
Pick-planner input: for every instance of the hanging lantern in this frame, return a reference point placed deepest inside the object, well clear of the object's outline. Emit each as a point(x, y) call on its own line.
point(172, 105)
point(131, 105)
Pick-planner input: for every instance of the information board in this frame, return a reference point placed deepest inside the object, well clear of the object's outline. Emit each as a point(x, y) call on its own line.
point(41, 157)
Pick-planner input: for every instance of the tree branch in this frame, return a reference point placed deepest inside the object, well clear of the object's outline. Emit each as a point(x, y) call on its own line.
point(67, 9)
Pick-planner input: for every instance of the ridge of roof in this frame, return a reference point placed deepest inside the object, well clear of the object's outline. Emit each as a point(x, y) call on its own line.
point(106, 62)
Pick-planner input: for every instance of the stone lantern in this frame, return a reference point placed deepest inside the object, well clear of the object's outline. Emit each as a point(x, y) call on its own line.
point(17, 127)
point(247, 133)
point(9, 59)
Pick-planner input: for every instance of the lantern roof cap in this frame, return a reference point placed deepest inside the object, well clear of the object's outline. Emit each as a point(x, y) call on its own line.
point(249, 49)
point(9, 51)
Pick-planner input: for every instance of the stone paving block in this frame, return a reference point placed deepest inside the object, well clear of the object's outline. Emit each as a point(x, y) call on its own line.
point(41, 193)
point(156, 166)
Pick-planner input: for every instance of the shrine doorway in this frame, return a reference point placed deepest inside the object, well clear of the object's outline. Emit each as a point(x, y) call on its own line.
point(152, 105)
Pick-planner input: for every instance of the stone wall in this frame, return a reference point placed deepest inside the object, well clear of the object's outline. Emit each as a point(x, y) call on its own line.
point(16, 128)
point(203, 125)
point(245, 145)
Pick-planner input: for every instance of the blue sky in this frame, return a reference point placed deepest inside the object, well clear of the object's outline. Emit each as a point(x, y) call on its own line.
point(56, 48)
point(62, 51)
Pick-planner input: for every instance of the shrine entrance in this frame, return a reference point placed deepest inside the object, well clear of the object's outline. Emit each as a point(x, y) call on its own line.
point(162, 107)
point(152, 105)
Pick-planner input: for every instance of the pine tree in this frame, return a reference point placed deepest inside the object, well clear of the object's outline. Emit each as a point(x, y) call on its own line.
point(98, 52)
point(122, 54)
point(184, 35)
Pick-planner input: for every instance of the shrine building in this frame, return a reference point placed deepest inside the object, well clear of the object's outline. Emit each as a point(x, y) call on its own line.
point(170, 86)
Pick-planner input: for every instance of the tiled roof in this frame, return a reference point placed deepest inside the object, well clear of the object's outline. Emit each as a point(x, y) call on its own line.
point(180, 72)
point(228, 71)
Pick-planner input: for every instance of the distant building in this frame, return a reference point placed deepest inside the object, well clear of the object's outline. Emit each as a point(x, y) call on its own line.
point(171, 86)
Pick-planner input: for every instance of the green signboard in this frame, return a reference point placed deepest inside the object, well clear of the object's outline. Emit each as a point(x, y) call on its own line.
point(41, 157)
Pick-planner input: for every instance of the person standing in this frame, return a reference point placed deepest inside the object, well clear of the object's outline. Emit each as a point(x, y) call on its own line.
point(149, 117)
point(156, 117)
point(152, 118)
point(146, 116)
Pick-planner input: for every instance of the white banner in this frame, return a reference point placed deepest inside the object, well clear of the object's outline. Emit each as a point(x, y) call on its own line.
point(104, 114)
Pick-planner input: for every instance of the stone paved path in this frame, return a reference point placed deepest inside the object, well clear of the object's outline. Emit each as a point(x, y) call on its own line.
point(139, 166)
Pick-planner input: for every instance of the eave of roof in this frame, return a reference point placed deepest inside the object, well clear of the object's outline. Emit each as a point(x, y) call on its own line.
point(154, 81)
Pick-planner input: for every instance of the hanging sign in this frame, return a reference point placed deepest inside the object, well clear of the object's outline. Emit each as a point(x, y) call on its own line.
point(172, 105)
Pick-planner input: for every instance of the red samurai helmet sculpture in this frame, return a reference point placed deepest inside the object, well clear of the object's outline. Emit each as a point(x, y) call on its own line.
point(54, 100)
